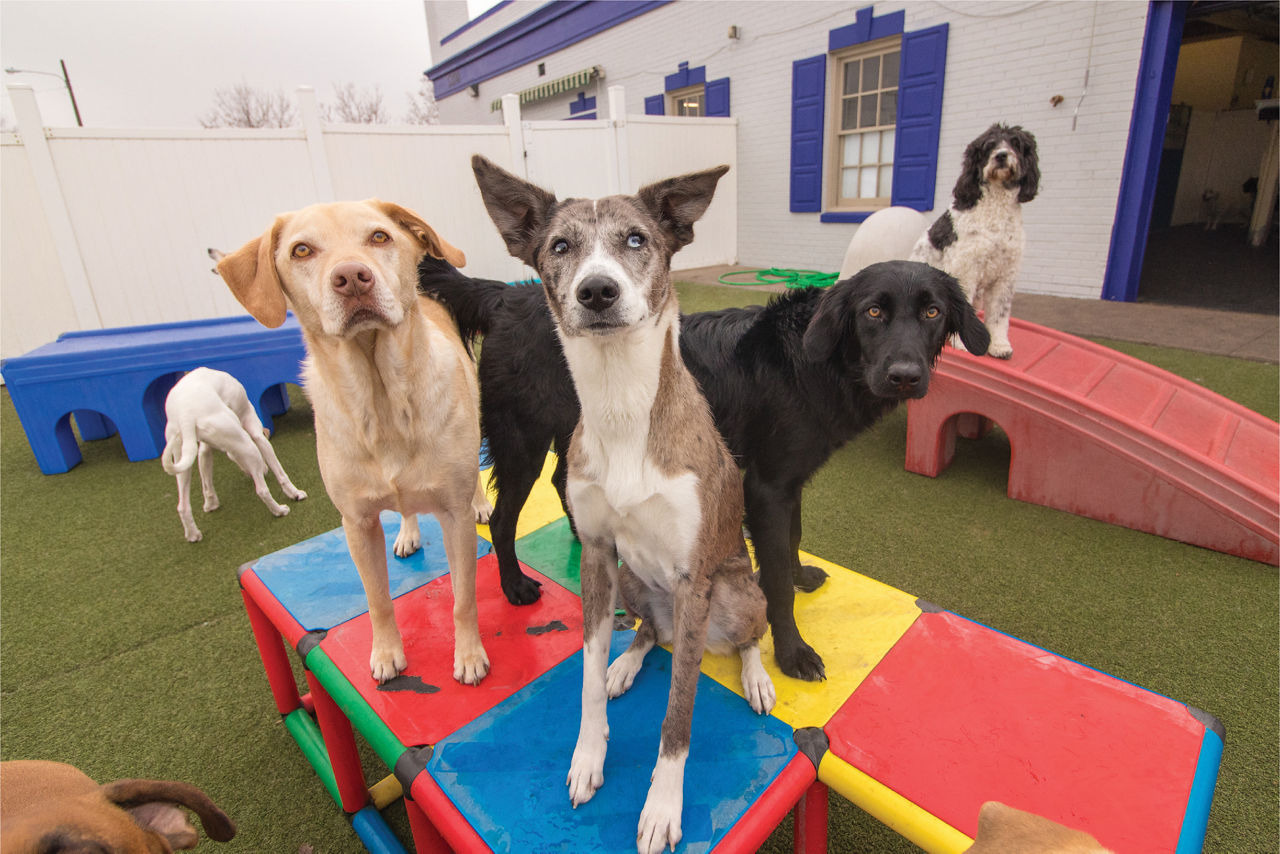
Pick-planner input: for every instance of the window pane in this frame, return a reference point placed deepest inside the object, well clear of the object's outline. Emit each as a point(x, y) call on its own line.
point(868, 117)
point(867, 182)
point(891, 62)
point(888, 108)
point(870, 147)
point(848, 183)
point(871, 74)
point(849, 119)
point(886, 180)
point(886, 146)
point(849, 147)
point(851, 77)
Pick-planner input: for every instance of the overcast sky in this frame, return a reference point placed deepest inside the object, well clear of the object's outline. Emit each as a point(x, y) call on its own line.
point(157, 63)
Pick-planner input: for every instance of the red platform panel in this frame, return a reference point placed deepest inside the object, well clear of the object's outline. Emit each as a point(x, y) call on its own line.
point(957, 714)
point(1099, 434)
point(424, 704)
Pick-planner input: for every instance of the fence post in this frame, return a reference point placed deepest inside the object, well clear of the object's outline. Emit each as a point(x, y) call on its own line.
point(620, 173)
point(45, 175)
point(309, 110)
point(515, 134)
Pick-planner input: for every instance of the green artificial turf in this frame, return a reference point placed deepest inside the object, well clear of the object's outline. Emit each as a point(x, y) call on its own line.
point(126, 651)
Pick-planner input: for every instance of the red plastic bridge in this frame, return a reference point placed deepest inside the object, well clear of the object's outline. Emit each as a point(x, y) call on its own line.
point(1103, 435)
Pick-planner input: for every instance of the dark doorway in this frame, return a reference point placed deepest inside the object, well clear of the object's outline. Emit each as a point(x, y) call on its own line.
point(1198, 250)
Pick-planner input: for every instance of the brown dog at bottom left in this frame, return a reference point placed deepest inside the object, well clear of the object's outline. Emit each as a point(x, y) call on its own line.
point(52, 806)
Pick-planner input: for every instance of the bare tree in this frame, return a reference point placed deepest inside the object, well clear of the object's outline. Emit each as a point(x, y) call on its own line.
point(243, 106)
point(355, 106)
point(423, 109)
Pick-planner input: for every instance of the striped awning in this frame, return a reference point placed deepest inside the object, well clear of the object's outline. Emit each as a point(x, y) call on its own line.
point(560, 85)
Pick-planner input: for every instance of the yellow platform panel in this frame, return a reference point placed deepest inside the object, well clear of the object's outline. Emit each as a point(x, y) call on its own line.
point(541, 508)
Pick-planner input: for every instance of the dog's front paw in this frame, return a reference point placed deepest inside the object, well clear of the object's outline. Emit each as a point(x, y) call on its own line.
point(211, 503)
point(193, 534)
point(757, 687)
point(800, 661)
point(295, 493)
point(808, 578)
point(586, 771)
point(523, 590)
point(408, 541)
point(279, 510)
point(660, 818)
point(622, 673)
point(387, 663)
point(483, 510)
point(1000, 350)
point(470, 665)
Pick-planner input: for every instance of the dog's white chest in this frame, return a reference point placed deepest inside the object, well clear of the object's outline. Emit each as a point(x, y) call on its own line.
point(652, 517)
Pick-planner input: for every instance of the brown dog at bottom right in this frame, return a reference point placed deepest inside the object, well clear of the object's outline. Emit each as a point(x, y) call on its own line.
point(52, 806)
point(1005, 830)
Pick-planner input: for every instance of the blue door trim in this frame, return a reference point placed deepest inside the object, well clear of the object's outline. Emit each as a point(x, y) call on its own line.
point(1142, 157)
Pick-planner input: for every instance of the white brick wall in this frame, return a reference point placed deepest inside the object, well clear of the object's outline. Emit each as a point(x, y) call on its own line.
point(1004, 63)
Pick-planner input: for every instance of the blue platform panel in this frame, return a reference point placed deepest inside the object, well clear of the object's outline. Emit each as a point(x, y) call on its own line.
point(518, 801)
point(317, 582)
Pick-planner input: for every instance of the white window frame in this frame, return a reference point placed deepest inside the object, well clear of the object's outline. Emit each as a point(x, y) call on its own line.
point(836, 134)
point(675, 96)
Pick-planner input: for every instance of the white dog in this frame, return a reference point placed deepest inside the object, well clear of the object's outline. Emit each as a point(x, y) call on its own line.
point(209, 410)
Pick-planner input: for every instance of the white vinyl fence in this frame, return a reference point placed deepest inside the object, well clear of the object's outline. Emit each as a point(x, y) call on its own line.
point(105, 228)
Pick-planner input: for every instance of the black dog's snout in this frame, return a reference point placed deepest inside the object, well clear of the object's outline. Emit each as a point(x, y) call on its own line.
point(905, 376)
point(597, 292)
point(1002, 157)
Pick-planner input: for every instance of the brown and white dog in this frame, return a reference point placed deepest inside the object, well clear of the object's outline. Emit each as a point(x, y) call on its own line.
point(650, 481)
point(393, 389)
point(52, 806)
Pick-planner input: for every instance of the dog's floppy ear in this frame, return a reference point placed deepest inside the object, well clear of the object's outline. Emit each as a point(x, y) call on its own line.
point(827, 327)
point(251, 274)
point(519, 209)
point(150, 802)
point(436, 246)
point(677, 203)
point(968, 189)
point(1025, 142)
point(962, 320)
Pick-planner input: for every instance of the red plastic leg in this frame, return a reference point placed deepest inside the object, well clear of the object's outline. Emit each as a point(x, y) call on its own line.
point(426, 839)
point(275, 660)
point(340, 743)
point(810, 821)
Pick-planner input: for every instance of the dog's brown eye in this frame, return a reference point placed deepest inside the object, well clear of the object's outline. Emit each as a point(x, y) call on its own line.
point(931, 312)
point(301, 250)
point(380, 237)
point(874, 311)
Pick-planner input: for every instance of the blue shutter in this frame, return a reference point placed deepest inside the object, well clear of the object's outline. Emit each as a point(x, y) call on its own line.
point(915, 163)
point(655, 105)
point(718, 97)
point(808, 98)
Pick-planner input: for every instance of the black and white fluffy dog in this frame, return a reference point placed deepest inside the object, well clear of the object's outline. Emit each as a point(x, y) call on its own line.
point(979, 239)
point(788, 384)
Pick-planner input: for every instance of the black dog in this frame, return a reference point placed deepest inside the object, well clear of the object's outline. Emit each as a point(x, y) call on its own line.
point(788, 384)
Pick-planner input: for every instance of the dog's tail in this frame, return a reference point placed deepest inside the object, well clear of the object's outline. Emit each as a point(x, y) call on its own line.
point(472, 302)
point(180, 451)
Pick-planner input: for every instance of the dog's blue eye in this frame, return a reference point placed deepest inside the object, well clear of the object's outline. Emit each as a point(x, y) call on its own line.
point(635, 241)
point(560, 247)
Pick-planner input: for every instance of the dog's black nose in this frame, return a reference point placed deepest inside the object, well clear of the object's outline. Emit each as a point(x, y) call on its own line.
point(1002, 157)
point(905, 377)
point(597, 292)
point(351, 278)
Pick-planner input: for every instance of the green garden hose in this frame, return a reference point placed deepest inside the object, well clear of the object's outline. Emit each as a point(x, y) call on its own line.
point(779, 276)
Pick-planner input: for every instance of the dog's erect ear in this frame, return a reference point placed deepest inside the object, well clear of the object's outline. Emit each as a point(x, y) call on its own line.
point(519, 209)
point(830, 321)
point(677, 203)
point(150, 802)
point(1025, 143)
point(436, 246)
point(1003, 829)
point(251, 274)
point(962, 320)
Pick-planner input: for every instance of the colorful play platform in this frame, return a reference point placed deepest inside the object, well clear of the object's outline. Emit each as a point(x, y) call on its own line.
point(1103, 435)
point(117, 379)
point(925, 715)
